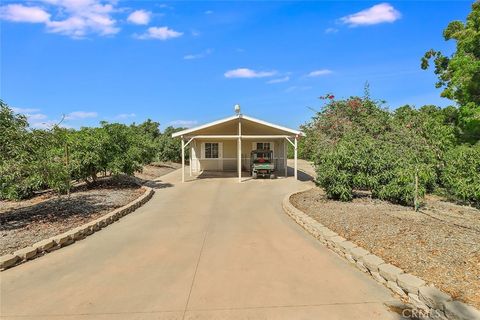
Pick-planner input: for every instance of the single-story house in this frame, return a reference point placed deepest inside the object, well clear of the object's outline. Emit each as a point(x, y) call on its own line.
point(225, 145)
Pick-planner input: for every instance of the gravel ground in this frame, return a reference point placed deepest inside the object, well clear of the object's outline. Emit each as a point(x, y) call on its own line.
point(25, 222)
point(440, 244)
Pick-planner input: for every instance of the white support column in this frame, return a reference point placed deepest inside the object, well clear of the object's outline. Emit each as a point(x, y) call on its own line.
point(183, 160)
point(190, 160)
point(285, 157)
point(295, 159)
point(239, 150)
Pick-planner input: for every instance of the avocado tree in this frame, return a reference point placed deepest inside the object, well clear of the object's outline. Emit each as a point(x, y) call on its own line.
point(459, 74)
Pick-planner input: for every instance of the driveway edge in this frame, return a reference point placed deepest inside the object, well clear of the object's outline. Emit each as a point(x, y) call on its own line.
point(78, 233)
point(428, 302)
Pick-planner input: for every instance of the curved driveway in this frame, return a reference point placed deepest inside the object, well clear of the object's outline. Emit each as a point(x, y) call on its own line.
point(205, 249)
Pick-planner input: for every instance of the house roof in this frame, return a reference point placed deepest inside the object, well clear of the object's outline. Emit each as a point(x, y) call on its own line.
point(239, 116)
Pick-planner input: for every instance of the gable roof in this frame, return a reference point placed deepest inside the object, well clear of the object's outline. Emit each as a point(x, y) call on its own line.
point(241, 116)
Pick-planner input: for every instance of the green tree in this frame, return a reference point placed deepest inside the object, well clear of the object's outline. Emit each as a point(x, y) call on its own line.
point(459, 74)
point(18, 178)
point(169, 149)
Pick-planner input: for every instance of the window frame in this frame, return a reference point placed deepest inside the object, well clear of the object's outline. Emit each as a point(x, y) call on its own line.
point(211, 150)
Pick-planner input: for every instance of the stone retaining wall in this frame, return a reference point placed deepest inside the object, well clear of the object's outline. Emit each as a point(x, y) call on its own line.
point(427, 301)
point(59, 241)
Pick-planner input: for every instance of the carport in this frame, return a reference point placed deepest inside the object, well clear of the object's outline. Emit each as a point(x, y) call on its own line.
point(225, 145)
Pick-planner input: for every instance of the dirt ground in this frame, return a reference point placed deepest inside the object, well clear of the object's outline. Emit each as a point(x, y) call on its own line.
point(22, 223)
point(156, 170)
point(440, 244)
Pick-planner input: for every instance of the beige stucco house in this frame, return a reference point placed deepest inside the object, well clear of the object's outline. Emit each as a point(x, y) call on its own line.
point(225, 145)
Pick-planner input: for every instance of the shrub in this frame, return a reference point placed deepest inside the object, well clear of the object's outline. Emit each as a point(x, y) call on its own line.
point(396, 156)
point(461, 175)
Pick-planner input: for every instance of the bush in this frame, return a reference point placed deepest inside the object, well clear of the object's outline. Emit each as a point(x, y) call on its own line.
point(169, 149)
point(397, 156)
point(32, 160)
point(461, 175)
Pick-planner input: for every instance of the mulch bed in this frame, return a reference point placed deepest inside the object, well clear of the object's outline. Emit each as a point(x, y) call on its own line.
point(25, 222)
point(440, 244)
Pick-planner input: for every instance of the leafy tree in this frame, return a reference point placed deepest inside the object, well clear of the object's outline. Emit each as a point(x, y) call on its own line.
point(169, 149)
point(395, 155)
point(459, 74)
point(17, 176)
point(149, 128)
point(461, 176)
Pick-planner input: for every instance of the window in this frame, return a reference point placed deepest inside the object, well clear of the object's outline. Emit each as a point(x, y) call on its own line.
point(211, 150)
point(263, 145)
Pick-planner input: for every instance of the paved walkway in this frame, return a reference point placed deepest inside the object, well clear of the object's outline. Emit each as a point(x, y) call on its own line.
point(205, 249)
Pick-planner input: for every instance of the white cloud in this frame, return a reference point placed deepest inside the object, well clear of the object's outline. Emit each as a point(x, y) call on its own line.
point(21, 13)
point(248, 73)
point(380, 13)
point(35, 116)
point(43, 125)
point(160, 33)
point(83, 17)
point(331, 30)
point(125, 115)
point(80, 115)
point(318, 73)
point(139, 17)
point(24, 110)
point(183, 123)
point(74, 18)
point(198, 55)
point(208, 12)
point(297, 88)
point(279, 80)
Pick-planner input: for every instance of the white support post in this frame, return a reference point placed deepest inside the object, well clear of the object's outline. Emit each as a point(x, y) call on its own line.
point(190, 160)
point(285, 157)
point(239, 151)
point(183, 160)
point(295, 159)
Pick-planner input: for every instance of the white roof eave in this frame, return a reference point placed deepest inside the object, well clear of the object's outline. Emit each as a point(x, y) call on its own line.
point(211, 124)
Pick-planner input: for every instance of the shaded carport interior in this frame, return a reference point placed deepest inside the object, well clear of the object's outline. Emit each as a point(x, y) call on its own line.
point(240, 128)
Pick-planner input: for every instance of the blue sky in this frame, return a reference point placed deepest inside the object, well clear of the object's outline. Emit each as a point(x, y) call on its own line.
point(186, 63)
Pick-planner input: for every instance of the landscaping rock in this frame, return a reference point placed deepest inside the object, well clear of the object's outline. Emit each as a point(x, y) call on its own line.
point(433, 297)
point(327, 233)
point(87, 229)
point(8, 260)
point(358, 253)
point(26, 253)
point(378, 277)
point(349, 257)
point(361, 266)
point(94, 225)
point(337, 240)
point(372, 262)
point(63, 239)
point(44, 245)
point(395, 288)
point(457, 310)
point(415, 300)
point(436, 314)
point(76, 233)
point(409, 282)
point(346, 246)
point(389, 272)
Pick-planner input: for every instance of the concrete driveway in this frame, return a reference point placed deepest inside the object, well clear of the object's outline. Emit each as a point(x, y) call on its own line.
point(205, 249)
